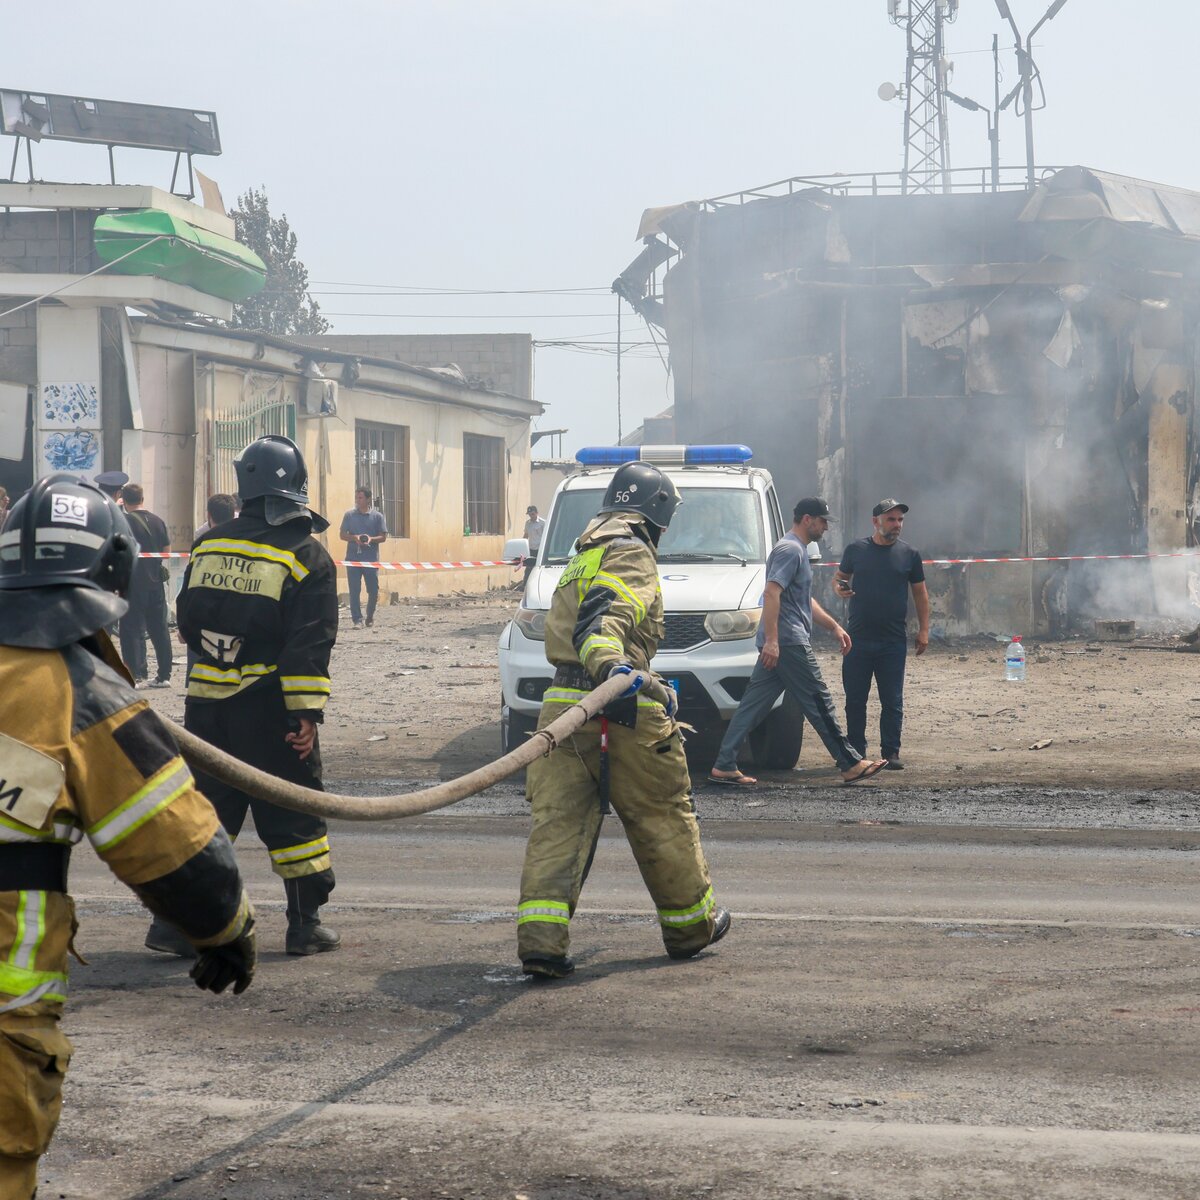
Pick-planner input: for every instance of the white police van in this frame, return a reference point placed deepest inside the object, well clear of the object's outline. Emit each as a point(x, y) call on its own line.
point(711, 563)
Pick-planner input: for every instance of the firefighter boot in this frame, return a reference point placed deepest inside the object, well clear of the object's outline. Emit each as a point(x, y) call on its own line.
point(721, 922)
point(305, 933)
point(166, 939)
point(549, 967)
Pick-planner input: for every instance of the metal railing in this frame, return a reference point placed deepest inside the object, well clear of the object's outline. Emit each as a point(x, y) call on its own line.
point(885, 183)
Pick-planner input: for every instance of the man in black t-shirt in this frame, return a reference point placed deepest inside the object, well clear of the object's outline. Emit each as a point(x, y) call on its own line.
point(147, 596)
point(875, 575)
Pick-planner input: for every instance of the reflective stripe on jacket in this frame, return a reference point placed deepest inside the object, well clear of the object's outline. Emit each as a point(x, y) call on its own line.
point(81, 752)
point(258, 608)
point(607, 607)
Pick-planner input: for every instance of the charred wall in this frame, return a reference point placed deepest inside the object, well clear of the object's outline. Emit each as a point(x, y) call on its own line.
point(1027, 385)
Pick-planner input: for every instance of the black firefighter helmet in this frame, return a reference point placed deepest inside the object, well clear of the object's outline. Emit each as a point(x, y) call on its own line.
point(66, 560)
point(272, 466)
point(642, 488)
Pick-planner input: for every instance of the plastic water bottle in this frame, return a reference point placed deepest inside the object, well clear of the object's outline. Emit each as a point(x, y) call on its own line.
point(1014, 661)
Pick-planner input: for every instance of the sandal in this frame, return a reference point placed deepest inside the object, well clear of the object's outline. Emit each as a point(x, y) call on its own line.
point(869, 768)
point(734, 779)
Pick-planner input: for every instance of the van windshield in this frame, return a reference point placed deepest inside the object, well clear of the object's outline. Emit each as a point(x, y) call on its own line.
point(711, 523)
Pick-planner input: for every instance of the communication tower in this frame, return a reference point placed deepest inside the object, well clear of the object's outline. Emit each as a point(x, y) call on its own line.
point(926, 129)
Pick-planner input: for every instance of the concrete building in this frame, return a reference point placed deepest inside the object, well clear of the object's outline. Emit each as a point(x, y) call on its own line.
point(1018, 365)
point(87, 385)
point(64, 333)
point(495, 362)
point(449, 465)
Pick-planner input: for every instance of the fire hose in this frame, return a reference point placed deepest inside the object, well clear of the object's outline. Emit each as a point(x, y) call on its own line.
point(201, 756)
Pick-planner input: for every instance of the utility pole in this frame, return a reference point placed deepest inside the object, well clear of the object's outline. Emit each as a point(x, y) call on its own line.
point(926, 128)
point(1027, 70)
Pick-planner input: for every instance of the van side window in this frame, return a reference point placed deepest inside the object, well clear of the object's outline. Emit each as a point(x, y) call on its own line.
point(776, 517)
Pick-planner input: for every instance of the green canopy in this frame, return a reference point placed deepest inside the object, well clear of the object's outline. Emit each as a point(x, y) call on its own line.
point(181, 253)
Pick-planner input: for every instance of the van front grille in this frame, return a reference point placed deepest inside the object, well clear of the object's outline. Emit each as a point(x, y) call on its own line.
point(684, 630)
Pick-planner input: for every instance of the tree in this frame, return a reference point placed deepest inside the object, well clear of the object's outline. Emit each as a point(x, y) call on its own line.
point(284, 305)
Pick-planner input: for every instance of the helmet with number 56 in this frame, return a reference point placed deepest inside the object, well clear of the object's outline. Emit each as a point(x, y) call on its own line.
point(642, 488)
point(66, 560)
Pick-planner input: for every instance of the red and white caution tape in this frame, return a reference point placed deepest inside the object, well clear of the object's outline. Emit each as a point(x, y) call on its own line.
point(473, 565)
point(425, 566)
point(953, 562)
point(477, 564)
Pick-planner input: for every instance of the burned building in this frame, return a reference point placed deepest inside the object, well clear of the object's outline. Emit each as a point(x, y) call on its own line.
point(1018, 365)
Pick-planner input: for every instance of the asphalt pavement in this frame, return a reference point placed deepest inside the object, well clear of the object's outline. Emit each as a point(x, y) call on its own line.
point(989, 994)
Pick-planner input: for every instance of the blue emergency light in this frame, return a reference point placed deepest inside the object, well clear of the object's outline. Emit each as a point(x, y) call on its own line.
point(688, 456)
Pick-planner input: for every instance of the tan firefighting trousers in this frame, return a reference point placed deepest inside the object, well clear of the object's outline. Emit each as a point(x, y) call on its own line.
point(35, 931)
point(34, 1054)
point(650, 791)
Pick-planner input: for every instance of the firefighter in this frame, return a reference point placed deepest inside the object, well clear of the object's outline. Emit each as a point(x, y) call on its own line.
point(607, 617)
point(258, 609)
point(81, 753)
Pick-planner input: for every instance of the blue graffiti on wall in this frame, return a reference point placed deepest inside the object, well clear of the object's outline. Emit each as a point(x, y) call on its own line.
point(73, 450)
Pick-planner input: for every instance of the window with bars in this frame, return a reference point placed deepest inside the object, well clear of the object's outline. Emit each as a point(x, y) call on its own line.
point(483, 484)
point(381, 453)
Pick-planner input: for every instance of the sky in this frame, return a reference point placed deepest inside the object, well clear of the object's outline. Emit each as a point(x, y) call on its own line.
point(511, 145)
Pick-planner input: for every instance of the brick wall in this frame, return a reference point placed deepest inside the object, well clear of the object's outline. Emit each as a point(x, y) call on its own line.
point(43, 243)
point(500, 362)
point(18, 343)
point(48, 242)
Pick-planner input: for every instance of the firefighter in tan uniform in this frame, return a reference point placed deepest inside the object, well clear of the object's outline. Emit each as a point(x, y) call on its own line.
point(81, 753)
point(258, 608)
point(607, 617)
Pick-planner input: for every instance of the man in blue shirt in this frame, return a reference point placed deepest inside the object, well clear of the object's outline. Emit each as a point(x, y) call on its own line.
point(363, 529)
point(786, 661)
point(883, 569)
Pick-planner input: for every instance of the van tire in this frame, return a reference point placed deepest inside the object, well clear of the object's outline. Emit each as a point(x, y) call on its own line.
point(515, 728)
point(776, 743)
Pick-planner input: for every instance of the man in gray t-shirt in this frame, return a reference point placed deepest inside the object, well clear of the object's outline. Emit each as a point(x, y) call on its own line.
point(786, 661)
point(363, 529)
point(788, 566)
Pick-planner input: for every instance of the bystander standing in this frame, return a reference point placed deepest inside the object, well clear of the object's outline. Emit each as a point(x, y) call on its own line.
point(220, 508)
point(875, 575)
point(535, 526)
point(147, 594)
point(363, 529)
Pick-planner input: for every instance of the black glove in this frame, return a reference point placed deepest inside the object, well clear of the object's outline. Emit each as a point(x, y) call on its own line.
point(217, 967)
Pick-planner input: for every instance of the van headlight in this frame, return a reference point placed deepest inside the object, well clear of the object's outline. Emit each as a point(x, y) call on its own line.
point(532, 623)
point(729, 626)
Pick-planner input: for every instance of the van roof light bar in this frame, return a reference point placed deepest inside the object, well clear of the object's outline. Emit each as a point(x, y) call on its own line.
point(688, 456)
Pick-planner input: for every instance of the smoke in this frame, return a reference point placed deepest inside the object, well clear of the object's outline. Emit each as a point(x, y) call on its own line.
point(1013, 413)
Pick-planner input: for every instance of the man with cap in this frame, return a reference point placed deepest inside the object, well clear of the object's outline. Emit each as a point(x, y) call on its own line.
point(535, 526)
point(786, 661)
point(875, 575)
point(111, 483)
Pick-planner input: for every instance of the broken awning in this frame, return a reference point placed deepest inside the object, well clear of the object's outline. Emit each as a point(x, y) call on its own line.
point(1081, 194)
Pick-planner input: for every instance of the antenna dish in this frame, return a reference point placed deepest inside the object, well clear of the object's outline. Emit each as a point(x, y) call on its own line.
point(888, 91)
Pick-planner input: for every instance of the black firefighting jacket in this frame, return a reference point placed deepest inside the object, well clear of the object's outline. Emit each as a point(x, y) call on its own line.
point(259, 610)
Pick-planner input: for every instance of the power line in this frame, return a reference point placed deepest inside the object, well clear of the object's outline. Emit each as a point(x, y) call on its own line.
point(466, 316)
point(421, 294)
point(414, 289)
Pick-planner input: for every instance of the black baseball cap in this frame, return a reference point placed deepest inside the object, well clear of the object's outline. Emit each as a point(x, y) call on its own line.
point(887, 506)
point(531, 508)
point(810, 506)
